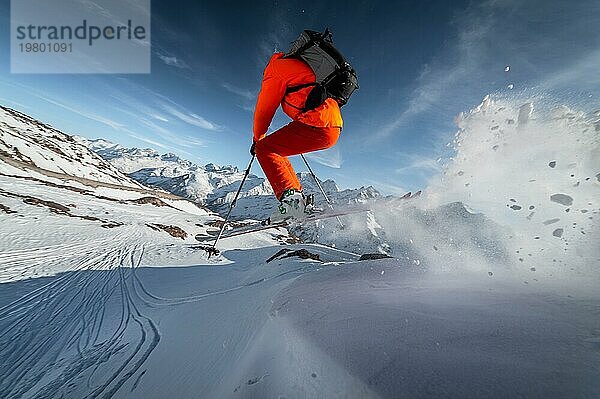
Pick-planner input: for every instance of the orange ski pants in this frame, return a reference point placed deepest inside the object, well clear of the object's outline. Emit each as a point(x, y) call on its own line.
point(293, 139)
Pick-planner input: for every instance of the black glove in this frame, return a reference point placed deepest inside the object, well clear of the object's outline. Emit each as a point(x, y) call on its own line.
point(252, 148)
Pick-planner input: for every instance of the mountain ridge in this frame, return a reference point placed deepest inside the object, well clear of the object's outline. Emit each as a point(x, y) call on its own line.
point(33, 150)
point(212, 185)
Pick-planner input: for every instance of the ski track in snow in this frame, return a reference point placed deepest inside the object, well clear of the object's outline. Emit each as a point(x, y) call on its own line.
point(67, 315)
point(65, 338)
point(77, 319)
point(83, 314)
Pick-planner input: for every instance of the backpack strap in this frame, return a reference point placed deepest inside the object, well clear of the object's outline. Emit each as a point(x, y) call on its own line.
point(293, 89)
point(293, 106)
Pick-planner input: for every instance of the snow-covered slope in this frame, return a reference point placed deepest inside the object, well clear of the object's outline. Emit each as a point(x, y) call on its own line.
point(27, 142)
point(57, 194)
point(335, 328)
point(215, 187)
point(483, 299)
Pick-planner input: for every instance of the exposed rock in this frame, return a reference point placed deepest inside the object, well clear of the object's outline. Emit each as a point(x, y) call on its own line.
point(6, 209)
point(53, 206)
point(110, 225)
point(149, 200)
point(373, 256)
point(174, 231)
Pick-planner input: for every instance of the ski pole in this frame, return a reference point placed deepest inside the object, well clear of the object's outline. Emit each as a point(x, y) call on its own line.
point(214, 250)
point(321, 188)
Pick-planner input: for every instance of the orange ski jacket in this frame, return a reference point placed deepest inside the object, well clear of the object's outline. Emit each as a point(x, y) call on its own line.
point(280, 74)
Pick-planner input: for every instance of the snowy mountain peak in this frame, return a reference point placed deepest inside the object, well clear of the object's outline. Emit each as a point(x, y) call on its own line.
point(211, 167)
point(213, 185)
point(109, 150)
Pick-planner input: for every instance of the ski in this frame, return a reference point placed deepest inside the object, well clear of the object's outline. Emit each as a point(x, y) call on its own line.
point(327, 214)
point(252, 228)
point(266, 225)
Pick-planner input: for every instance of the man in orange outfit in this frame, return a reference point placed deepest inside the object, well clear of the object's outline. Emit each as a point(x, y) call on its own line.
point(313, 130)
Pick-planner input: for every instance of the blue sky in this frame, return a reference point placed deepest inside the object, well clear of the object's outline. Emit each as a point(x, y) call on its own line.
point(420, 63)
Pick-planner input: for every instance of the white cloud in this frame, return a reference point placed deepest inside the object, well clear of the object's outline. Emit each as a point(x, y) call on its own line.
point(86, 114)
point(95, 117)
point(171, 141)
point(158, 129)
point(168, 136)
point(190, 118)
point(388, 187)
point(436, 79)
point(582, 71)
point(246, 94)
point(249, 108)
point(193, 142)
point(493, 32)
point(173, 61)
point(133, 107)
point(13, 103)
point(331, 157)
point(159, 117)
point(162, 109)
point(418, 163)
point(169, 58)
point(146, 140)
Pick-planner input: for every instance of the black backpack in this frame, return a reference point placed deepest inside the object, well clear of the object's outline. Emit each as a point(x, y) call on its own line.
point(335, 76)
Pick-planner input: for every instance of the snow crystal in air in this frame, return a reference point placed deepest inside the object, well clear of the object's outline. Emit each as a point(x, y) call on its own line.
point(513, 168)
point(551, 221)
point(558, 233)
point(525, 112)
point(562, 199)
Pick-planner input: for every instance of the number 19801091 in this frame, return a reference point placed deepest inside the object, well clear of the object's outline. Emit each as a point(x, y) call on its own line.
point(46, 47)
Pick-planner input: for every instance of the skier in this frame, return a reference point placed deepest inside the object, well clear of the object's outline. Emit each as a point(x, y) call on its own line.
point(311, 101)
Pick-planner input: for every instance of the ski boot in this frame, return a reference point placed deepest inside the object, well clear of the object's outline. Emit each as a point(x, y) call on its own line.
point(293, 204)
